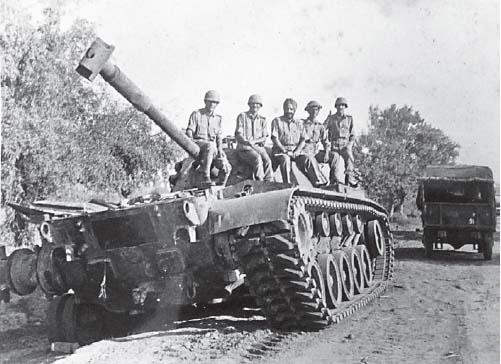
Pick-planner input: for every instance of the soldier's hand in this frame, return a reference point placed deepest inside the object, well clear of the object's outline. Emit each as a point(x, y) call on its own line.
point(326, 156)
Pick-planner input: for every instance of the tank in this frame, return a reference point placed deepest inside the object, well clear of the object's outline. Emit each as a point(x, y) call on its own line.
point(308, 257)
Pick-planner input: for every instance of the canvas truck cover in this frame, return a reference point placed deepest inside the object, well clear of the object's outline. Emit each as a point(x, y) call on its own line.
point(459, 173)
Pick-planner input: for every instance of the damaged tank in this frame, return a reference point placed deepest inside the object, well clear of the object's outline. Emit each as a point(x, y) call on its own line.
point(308, 256)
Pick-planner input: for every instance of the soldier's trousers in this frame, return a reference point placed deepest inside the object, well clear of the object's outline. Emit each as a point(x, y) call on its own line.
point(284, 163)
point(341, 162)
point(307, 164)
point(209, 159)
point(259, 160)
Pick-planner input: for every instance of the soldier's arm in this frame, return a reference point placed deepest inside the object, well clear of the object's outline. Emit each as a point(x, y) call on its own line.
point(192, 125)
point(264, 127)
point(352, 135)
point(274, 136)
point(302, 142)
point(239, 131)
point(239, 135)
point(219, 136)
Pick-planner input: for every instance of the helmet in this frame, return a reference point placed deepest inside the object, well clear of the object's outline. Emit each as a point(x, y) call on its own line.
point(312, 104)
point(255, 99)
point(340, 101)
point(211, 95)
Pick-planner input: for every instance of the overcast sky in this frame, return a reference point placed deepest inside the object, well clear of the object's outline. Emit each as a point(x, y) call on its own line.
point(440, 57)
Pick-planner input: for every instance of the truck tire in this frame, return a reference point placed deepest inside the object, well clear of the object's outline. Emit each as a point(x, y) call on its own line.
point(488, 242)
point(428, 243)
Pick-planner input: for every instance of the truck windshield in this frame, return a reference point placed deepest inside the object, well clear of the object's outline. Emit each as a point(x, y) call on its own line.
point(459, 192)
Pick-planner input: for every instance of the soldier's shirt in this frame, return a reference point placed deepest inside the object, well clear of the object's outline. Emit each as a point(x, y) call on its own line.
point(314, 133)
point(339, 129)
point(205, 126)
point(288, 132)
point(251, 128)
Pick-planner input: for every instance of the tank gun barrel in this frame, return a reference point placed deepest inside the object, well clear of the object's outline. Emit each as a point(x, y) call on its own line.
point(96, 61)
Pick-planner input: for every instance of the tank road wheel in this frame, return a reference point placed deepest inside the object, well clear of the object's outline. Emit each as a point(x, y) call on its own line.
point(366, 264)
point(332, 280)
point(375, 238)
point(488, 242)
point(322, 224)
point(346, 274)
point(82, 323)
point(315, 273)
point(303, 232)
point(356, 268)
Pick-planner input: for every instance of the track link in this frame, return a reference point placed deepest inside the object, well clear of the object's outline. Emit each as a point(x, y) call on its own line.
point(280, 280)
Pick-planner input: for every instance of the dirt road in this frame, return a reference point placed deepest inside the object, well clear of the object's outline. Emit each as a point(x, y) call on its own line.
point(443, 310)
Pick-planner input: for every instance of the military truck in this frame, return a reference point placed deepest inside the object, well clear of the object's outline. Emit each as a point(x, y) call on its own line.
point(458, 207)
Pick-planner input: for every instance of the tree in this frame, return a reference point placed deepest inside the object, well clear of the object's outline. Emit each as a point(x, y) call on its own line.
point(395, 151)
point(61, 136)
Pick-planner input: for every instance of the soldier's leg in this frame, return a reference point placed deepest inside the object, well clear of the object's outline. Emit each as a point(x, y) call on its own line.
point(266, 162)
point(309, 166)
point(337, 167)
point(207, 153)
point(284, 162)
point(348, 158)
point(222, 163)
point(252, 158)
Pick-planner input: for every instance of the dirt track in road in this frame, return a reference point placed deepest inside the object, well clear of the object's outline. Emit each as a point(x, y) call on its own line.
point(443, 310)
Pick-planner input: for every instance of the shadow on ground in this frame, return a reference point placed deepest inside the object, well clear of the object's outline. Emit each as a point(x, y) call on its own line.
point(445, 257)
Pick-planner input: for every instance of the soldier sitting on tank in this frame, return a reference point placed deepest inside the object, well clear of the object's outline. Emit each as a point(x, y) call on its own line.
point(204, 127)
point(315, 135)
point(251, 133)
point(339, 145)
point(288, 140)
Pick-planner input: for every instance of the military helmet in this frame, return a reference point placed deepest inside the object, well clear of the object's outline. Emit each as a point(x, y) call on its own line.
point(341, 101)
point(255, 99)
point(211, 95)
point(313, 104)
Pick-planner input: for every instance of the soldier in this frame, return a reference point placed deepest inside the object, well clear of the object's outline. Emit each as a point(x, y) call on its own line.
point(339, 144)
point(251, 133)
point(314, 130)
point(204, 127)
point(315, 135)
point(288, 140)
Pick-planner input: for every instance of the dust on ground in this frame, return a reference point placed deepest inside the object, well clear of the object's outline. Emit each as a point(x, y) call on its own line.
point(443, 310)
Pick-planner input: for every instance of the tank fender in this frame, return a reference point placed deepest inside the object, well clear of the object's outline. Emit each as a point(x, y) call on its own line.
point(254, 209)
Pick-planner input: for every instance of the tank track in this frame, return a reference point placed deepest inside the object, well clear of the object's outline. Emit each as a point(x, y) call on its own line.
point(283, 285)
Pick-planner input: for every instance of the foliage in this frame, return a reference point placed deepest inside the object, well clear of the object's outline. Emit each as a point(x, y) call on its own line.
point(62, 137)
point(395, 151)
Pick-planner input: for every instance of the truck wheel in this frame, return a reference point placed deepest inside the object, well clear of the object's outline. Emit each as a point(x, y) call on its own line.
point(428, 243)
point(487, 243)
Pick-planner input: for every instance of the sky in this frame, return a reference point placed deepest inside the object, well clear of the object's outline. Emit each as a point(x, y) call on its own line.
point(440, 57)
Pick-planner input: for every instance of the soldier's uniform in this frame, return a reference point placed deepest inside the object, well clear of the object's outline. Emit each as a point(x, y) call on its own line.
point(314, 134)
point(253, 129)
point(339, 143)
point(289, 133)
point(206, 129)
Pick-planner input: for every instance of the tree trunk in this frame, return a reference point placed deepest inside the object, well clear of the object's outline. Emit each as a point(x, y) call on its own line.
point(392, 209)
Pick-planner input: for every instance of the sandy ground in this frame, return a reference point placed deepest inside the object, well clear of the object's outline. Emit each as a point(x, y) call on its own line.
point(443, 310)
